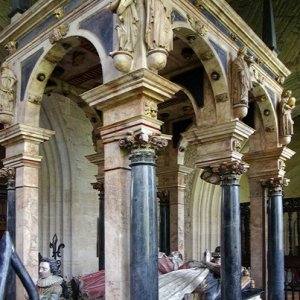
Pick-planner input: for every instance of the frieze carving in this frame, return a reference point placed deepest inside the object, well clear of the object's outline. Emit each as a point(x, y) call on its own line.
point(58, 33)
point(225, 173)
point(142, 141)
point(150, 109)
point(236, 146)
point(11, 47)
point(199, 28)
point(34, 99)
point(7, 172)
point(221, 97)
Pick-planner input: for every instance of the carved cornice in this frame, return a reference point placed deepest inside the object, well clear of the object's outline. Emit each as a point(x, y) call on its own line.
point(143, 141)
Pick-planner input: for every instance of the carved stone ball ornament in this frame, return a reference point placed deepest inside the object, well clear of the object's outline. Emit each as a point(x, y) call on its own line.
point(142, 141)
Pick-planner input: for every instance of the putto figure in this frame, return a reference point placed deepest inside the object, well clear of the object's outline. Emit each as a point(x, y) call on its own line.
point(49, 283)
point(286, 123)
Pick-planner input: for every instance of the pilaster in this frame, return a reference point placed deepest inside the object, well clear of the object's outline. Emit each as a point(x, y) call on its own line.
point(263, 166)
point(22, 153)
point(173, 181)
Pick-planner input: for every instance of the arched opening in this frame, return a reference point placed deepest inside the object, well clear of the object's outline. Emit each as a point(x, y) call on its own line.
point(68, 205)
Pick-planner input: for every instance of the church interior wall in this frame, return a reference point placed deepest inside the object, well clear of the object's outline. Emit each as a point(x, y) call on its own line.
point(68, 206)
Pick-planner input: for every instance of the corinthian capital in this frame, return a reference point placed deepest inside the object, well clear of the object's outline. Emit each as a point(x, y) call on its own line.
point(223, 172)
point(143, 141)
point(275, 185)
point(7, 172)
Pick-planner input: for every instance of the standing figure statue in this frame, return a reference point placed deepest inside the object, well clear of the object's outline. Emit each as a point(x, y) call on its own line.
point(7, 88)
point(159, 32)
point(128, 27)
point(49, 284)
point(286, 105)
point(241, 79)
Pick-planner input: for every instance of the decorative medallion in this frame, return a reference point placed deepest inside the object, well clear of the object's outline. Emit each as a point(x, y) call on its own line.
point(58, 33)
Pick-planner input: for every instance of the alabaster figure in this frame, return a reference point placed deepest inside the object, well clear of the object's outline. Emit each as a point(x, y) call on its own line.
point(241, 79)
point(159, 32)
point(7, 88)
point(128, 28)
point(49, 283)
point(286, 105)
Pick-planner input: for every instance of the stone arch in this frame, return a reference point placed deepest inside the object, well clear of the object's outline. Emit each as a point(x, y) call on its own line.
point(265, 120)
point(207, 55)
point(43, 70)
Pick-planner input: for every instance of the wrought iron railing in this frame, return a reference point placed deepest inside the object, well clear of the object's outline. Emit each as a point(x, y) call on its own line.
point(8, 257)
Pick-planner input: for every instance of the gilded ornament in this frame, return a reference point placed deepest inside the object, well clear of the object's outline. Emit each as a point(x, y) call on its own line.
point(280, 80)
point(58, 33)
point(59, 13)
point(206, 56)
point(11, 47)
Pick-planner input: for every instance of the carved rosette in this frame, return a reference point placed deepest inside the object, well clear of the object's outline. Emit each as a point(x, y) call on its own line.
point(275, 185)
point(143, 141)
point(227, 173)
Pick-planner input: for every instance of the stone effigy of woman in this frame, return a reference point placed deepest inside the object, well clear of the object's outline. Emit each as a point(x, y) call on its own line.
point(159, 32)
point(286, 105)
point(7, 88)
point(240, 78)
point(128, 28)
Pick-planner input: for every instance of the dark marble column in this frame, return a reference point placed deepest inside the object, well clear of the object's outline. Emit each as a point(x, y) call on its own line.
point(101, 229)
point(144, 246)
point(164, 228)
point(275, 240)
point(228, 175)
point(230, 238)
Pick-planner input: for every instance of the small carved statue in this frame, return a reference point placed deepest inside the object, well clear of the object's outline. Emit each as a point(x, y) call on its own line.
point(159, 32)
point(286, 122)
point(241, 78)
point(128, 27)
point(7, 88)
point(49, 284)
